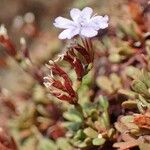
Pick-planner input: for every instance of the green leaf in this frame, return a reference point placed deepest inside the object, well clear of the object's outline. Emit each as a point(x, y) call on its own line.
point(103, 102)
point(126, 119)
point(114, 58)
point(73, 126)
point(82, 145)
point(89, 108)
point(129, 104)
point(143, 101)
point(91, 132)
point(128, 122)
point(145, 77)
point(120, 127)
point(41, 110)
point(79, 135)
point(139, 87)
point(98, 141)
point(105, 84)
point(128, 93)
point(29, 143)
point(116, 81)
point(73, 115)
point(47, 144)
point(111, 132)
point(63, 144)
point(132, 72)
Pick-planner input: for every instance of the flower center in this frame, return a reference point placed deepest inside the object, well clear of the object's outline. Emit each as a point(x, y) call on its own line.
point(82, 21)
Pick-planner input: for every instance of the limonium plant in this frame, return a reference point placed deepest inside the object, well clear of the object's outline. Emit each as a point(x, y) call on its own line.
point(85, 25)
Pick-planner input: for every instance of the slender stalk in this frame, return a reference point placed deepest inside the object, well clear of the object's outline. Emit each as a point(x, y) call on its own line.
point(89, 42)
point(85, 44)
point(89, 47)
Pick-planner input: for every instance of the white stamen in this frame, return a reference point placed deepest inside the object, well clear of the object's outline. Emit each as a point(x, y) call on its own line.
point(47, 84)
point(60, 95)
point(28, 62)
point(51, 74)
point(22, 41)
point(60, 57)
point(3, 30)
point(54, 91)
point(48, 66)
point(46, 78)
point(74, 60)
point(49, 79)
point(51, 62)
point(100, 136)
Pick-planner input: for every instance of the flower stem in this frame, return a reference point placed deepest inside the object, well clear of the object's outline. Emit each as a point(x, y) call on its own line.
point(85, 44)
point(89, 47)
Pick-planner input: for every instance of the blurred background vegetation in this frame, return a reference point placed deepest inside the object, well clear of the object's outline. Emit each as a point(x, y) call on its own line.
point(34, 117)
point(33, 19)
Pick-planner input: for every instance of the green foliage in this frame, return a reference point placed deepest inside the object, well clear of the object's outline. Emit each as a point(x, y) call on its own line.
point(46, 144)
point(107, 99)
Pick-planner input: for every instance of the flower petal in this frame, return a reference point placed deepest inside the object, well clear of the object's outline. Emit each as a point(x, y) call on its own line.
point(86, 13)
point(88, 32)
point(106, 18)
point(74, 32)
point(68, 33)
point(64, 34)
point(63, 23)
point(99, 22)
point(75, 13)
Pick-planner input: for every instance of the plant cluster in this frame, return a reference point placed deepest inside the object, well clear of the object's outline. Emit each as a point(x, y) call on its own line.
point(94, 96)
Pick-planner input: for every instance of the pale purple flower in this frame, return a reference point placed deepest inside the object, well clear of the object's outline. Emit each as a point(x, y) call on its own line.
point(82, 23)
